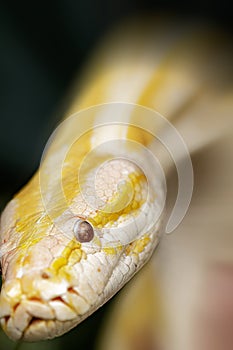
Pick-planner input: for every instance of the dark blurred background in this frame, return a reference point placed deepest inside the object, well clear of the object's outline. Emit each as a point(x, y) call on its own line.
point(42, 46)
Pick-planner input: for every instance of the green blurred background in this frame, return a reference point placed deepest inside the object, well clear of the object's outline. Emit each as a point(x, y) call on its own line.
point(43, 45)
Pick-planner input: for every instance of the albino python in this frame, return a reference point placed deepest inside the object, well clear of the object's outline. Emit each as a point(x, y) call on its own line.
point(91, 216)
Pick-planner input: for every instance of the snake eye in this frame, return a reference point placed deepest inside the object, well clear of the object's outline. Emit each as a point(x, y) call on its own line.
point(83, 231)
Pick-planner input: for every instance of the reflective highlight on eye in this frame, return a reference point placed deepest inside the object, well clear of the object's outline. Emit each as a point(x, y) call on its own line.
point(83, 231)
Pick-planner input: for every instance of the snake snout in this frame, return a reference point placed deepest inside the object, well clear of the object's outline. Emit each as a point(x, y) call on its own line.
point(28, 314)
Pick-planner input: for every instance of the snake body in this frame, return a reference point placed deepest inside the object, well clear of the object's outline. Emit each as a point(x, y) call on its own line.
point(63, 253)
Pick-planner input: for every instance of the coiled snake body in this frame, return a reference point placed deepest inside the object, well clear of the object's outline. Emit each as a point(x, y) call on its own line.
point(90, 217)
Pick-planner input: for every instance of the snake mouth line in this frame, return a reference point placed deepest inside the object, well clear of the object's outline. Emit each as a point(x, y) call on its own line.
point(34, 319)
point(37, 327)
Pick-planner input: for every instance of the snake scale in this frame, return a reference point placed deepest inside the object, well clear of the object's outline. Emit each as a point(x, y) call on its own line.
point(91, 216)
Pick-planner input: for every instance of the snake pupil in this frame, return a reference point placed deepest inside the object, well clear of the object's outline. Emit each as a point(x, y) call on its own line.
point(83, 231)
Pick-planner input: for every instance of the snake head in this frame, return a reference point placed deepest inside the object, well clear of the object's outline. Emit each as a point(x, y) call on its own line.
point(57, 272)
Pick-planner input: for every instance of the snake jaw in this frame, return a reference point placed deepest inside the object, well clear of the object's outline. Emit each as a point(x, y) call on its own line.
point(28, 313)
point(33, 320)
point(31, 316)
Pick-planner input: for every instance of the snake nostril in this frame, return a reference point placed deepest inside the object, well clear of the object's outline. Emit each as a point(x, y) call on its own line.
point(45, 275)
